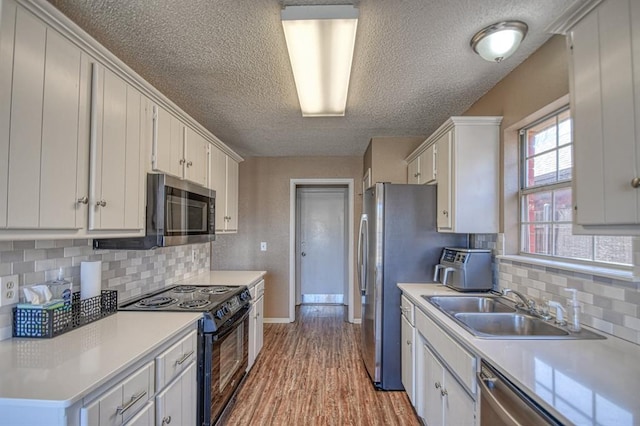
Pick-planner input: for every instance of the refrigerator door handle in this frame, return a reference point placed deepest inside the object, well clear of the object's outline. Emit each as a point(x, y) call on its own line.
point(362, 253)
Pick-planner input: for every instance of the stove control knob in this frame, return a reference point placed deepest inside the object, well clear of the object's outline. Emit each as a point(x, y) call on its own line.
point(219, 314)
point(245, 295)
point(225, 309)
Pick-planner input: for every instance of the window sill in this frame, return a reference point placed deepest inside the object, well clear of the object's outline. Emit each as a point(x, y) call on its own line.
point(600, 271)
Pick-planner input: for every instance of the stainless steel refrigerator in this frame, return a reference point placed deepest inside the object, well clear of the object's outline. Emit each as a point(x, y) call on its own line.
point(398, 242)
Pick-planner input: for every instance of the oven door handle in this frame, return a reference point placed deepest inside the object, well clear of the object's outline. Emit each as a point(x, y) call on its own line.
point(235, 324)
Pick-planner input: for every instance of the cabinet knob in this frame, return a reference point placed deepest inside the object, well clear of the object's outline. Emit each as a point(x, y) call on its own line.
point(101, 203)
point(189, 163)
point(444, 212)
point(181, 161)
point(166, 420)
point(83, 200)
point(443, 392)
point(438, 385)
point(416, 174)
point(635, 182)
point(409, 342)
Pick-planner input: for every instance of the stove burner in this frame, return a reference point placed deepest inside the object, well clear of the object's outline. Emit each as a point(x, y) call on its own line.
point(156, 302)
point(215, 290)
point(184, 289)
point(194, 304)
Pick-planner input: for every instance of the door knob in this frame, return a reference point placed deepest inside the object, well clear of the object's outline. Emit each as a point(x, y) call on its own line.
point(303, 254)
point(635, 182)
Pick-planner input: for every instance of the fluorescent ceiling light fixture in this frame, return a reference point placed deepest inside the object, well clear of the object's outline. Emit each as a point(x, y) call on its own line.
point(499, 41)
point(320, 42)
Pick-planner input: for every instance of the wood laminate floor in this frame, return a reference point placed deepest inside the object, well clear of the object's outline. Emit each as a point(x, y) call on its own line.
point(310, 373)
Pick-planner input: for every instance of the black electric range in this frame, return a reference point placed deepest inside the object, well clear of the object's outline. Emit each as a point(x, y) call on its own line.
point(219, 304)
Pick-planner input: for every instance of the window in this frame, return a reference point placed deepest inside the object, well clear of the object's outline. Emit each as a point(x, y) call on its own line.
point(546, 201)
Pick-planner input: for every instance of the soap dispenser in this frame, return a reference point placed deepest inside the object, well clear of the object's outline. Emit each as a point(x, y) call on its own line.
point(573, 311)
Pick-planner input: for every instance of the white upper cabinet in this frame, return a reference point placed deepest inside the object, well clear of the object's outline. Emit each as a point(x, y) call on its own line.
point(422, 169)
point(197, 157)
point(179, 150)
point(224, 180)
point(117, 144)
point(168, 143)
point(605, 104)
point(41, 106)
point(463, 158)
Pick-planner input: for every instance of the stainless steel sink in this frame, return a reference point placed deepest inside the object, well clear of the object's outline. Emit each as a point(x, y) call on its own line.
point(495, 317)
point(501, 324)
point(455, 304)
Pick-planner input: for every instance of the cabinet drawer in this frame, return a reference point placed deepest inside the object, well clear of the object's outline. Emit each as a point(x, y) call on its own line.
point(408, 310)
point(122, 401)
point(146, 416)
point(459, 360)
point(175, 359)
point(257, 290)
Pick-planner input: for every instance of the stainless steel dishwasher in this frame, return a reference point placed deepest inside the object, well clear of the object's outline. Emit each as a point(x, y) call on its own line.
point(503, 404)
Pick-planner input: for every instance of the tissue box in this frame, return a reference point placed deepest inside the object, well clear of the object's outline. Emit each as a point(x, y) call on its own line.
point(58, 318)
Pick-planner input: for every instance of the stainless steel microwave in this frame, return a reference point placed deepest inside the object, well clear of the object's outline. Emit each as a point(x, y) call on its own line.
point(178, 212)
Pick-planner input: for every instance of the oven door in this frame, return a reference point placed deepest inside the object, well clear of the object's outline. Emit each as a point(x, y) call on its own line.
point(226, 360)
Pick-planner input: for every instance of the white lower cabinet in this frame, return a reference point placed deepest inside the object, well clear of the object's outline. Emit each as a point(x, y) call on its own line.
point(162, 391)
point(256, 323)
point(408, 351)
point(177, 403)
point(444, 400)
point(444, 377)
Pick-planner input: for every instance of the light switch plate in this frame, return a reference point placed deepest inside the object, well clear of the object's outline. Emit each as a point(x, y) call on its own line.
point(9, 290)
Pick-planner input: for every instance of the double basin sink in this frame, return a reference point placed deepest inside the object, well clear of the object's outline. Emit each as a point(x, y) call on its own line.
point(496, 317)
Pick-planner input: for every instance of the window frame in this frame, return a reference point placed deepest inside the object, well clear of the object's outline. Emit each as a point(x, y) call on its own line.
point(523, 192)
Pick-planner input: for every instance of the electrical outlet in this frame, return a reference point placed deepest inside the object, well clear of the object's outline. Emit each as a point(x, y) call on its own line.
point(9, 290)
point(263, 246)
point(193, 255)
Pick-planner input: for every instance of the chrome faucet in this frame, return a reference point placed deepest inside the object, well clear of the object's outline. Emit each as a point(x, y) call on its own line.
point(528, 304)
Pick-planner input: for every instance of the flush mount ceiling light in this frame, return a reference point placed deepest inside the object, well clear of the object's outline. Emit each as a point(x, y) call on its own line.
point(498, 41)
point(320, 42)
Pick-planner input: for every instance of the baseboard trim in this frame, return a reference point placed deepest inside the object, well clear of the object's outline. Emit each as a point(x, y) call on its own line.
point(276, 320)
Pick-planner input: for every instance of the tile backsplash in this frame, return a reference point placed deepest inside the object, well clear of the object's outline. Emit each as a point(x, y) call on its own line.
point(131, 273)
point(609, 305)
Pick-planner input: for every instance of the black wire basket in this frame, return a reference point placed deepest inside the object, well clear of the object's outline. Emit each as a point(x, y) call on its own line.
point(47, 323)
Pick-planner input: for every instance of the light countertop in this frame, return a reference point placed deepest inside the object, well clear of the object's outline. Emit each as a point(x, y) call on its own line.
point(230, 278)
point(587, 382)
point(60, 371)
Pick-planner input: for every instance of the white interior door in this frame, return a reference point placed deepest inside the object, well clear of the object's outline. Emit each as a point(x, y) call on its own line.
point(321, 243)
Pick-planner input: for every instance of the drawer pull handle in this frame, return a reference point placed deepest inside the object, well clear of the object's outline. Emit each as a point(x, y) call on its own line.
point(184, 358)
point(135, 398)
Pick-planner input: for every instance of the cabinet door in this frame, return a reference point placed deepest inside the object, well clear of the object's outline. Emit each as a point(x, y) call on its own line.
point(443, 164)
point(176, 404)
point(42, 143)
point(218, 182)
point(259, 324)
point(168, 143)
point(606, 113)
point(433, 387)
point(428, 166)
point(197, 156)
point(459, 407)
point(413, 171)
point(116, 146)
point(407, 348)
point(146, 417)
point(232, 195)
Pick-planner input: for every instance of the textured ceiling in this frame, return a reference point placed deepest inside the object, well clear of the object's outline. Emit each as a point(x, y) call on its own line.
point(225, 63)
